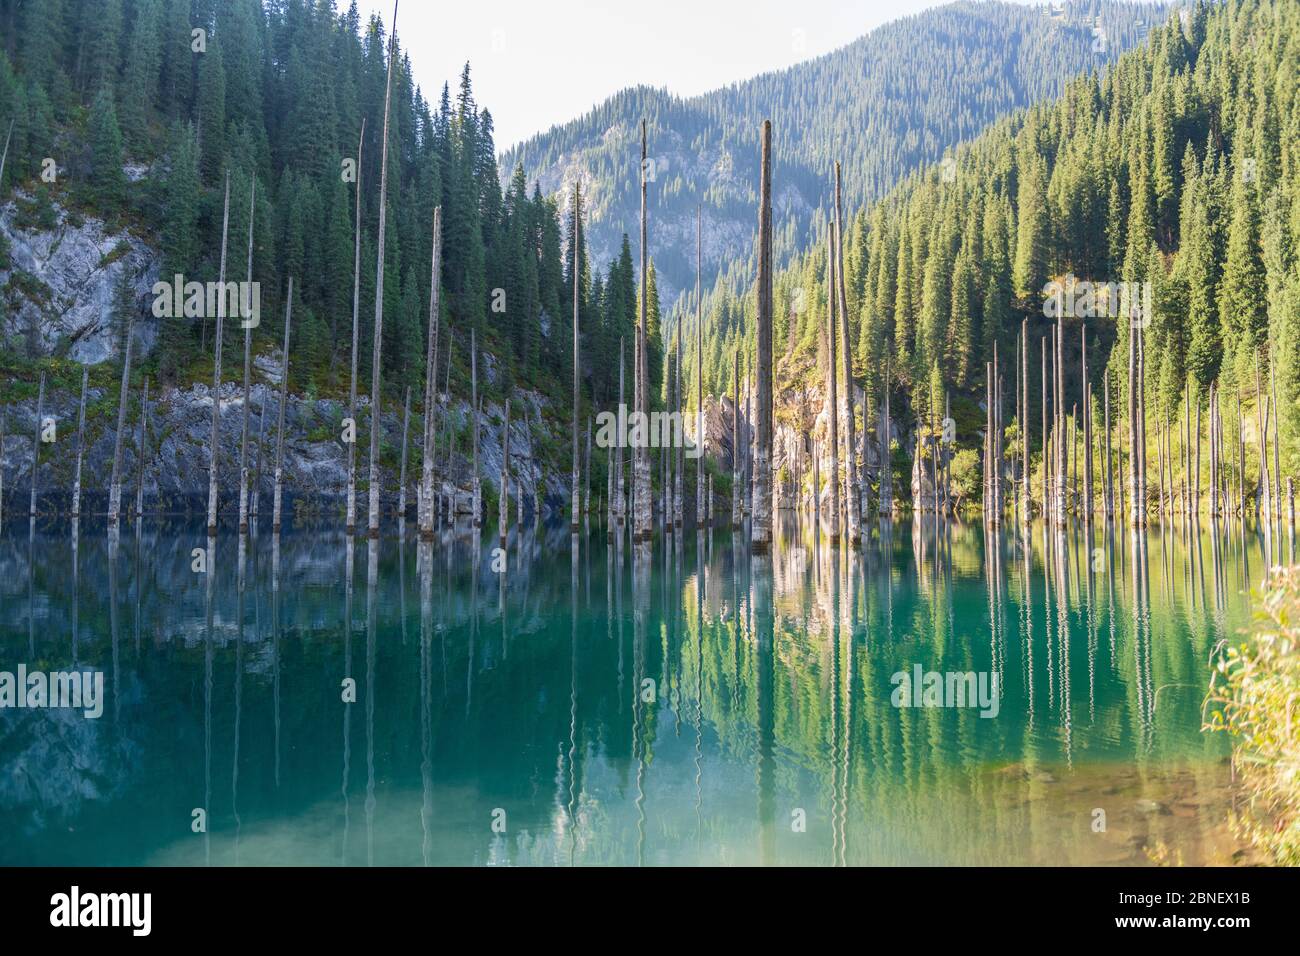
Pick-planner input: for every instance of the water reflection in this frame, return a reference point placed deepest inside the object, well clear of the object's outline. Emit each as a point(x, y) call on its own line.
point(728, 708)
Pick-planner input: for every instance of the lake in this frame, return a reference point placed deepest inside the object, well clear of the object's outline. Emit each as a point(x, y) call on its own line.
point(564, 701)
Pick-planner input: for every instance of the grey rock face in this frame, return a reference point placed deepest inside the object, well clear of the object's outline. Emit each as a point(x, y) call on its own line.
point(60, 287)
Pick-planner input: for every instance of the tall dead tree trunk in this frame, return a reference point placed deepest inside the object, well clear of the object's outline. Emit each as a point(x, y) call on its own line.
point(81, 444)
point(373, 524)
point(679, 504)
point(1047, 439)
point(1109, 504)
point(586, 470)
point(575, 494)
point(1277, 454)
point(216, 377)
point(284, 401)
point(425, 507)
point(832, 334)
point(245, 321)
point(503, 501)
point(476, 485)
point(699, 366)
point(36, 446)
point(1087, 428)
point(851, 446)
point(617, 451)
point(257, 467)
point(115, 479)
point(737, 519)
point(886, 506)
point(401, 479)
point(642, 522)
point(351, 517)
point(142, 451)
point(761, 526)
point(5, 155)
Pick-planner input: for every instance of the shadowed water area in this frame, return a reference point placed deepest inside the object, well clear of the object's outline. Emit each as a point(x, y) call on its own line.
point(591, 705)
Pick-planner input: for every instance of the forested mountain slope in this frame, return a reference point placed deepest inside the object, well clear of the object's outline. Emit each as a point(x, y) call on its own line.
point(1179, 167)
point(895, 98)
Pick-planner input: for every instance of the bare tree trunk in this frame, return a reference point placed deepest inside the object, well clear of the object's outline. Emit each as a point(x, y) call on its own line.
point(1140, 504)
point(1109, 504)
point(586, 469)
point(503, 501)
point(216, 379)
point(401, 480)
point(5, 155)
point(1277, 455)
point(1241, 458)
point(737, 518)
point(699, 367)
point(679, 489)
point(248, 345)
point(351, 517)
point(1087, 429)
point(620, 497)
point(142, 451)
point(36, 443)
point(257, 468)
point(832, 396)
point(1024, 417)
point(81, 444)
point(850, 452)
point(1046, 439)
point(476, 486)
point(1196, 498)
point(115, 480)
point(284, 398)
point(576, 502)
point(642, 520)
point(373, 525)
point(886, 506)
point(761, 528)
point(430, 383)
point(1132, 423)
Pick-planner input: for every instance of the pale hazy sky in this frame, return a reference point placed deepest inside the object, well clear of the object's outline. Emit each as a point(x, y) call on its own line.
point(535, 63)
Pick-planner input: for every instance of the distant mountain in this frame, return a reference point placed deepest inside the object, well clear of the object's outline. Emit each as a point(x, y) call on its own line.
point(897, 97)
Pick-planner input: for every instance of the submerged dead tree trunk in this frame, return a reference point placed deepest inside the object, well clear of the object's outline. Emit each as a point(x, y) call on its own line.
point(216, 378)
point(142, 451)
point(832, 333)
point(642, 524)
point(248, 346)
point(503, 500)
point(886, 506)
point(851, 437)
point(373, 524)
point(284, 396)
point(575, 493)
point(425, 498)
point(699, 368)
point(761, 527)
point(36, 447)
point(401, 480)
point(476, 487)
point(81, 444)
point(115, 480)
point(737, 519)
point(351, 517)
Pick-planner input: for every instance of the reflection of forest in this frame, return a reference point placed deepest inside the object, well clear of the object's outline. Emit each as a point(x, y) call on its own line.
point(681, 705)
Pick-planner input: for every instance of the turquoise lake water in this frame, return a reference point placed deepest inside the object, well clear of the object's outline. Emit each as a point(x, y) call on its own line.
point(687, 704)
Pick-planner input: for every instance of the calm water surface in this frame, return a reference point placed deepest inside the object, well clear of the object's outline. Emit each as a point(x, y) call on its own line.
point(589, 706)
